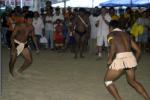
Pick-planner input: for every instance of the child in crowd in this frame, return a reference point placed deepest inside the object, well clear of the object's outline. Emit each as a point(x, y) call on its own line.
point(58, 34)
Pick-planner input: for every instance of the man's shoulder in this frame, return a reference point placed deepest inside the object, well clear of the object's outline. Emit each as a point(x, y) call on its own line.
point(114, 33)
point(111, 33)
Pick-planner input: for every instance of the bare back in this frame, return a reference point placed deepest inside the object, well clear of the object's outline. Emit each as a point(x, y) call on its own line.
point(122, 41)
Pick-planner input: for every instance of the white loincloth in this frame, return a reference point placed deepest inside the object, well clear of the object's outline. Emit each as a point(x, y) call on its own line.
point(20, 47)
point(123, 61)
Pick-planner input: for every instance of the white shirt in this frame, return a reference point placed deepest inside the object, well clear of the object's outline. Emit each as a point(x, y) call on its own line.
point(103, 28)
point(38, 25)
point(94, 29)
point(49, 26)
point(60, 16)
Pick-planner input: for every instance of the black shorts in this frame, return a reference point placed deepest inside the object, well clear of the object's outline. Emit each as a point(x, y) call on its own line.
point(80, 33)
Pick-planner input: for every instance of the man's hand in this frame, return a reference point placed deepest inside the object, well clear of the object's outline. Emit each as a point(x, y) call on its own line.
point(13, 50)
point(97, 24)
point(103, 17)
point(109, 62)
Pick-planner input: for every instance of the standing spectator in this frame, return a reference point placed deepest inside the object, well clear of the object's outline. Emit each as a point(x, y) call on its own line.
point(48, 21)
point(38, 27)
point(143, 37)
point(113, 14)
point(58, 15)
point(93, 19)
point(69, 39)
point(48, 6)
point(103, 30)
point(128, 18)
point(4, 27)
point(11, 24)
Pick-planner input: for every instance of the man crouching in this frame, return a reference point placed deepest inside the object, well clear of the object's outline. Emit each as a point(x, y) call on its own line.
point(121, 59)
point(19, 43)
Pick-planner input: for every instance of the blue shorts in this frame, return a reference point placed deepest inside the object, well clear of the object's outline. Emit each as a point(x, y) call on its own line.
point(143, 38)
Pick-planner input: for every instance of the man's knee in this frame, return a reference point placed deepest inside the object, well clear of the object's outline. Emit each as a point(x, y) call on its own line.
point(28, 61)
point(107, 83)
point(13, 58)
point(131, 81)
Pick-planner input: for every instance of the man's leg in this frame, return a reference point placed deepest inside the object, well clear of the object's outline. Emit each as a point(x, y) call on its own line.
point(28, 60)
point(12, 61)
point(82, 45)
point(99, 46)
point(77, 45)
point(135, 84)
point(8, 36)
point(112, 75)
point(51, 40)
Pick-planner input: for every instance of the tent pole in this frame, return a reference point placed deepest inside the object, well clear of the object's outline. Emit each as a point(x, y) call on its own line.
point(64, 3)
point(92, 3)
point(131, 3)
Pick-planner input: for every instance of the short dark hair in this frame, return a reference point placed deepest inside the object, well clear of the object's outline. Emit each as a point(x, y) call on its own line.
point(82, 10)
point(114, 24)
point(57, 9)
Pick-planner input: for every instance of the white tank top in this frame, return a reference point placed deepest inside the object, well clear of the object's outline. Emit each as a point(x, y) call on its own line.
point(49, 26)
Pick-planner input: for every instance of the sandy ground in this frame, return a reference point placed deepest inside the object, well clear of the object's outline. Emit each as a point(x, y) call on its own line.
point(57, 76)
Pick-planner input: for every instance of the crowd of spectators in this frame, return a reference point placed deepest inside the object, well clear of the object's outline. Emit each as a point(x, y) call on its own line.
point(54, 27)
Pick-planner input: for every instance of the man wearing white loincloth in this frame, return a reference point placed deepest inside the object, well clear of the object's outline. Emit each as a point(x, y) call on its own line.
point(121, 59)
point(19, 44)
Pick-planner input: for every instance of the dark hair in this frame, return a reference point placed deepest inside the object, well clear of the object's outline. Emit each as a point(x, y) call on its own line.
point(29, 15)
point(114, 24)
point(82, 10)
point(57, 9)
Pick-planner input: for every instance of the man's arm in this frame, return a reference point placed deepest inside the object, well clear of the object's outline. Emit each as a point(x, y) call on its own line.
point(107, 19)
point(13, 37)
point(111, 51)
point(88, 28)
point(34, 39)
point(136, 48)
point(42, 25)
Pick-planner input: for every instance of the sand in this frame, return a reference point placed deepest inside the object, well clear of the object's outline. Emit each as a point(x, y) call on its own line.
point(57, 76)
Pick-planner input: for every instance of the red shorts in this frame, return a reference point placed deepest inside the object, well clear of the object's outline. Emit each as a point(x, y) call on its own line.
point(58, 38)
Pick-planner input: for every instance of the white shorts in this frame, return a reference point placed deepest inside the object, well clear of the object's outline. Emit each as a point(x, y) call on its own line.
point(102, 40)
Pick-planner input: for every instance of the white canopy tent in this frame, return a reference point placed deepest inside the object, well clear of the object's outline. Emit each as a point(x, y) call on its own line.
point(80, 3)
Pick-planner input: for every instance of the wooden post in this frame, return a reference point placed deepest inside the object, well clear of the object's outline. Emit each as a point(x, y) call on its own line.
point(92, 3)
point(0, 69)
point(64, 3)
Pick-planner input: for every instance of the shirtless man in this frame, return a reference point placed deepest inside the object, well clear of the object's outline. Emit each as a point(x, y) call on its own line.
point(19, 43)
point(82, 30)
point(124, 61)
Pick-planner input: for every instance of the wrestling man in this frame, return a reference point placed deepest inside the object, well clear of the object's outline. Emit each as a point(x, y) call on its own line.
point(121, 59)
point(81, 32)
point(19, 43)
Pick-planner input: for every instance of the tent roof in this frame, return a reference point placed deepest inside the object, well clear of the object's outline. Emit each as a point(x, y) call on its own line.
point(126, 3)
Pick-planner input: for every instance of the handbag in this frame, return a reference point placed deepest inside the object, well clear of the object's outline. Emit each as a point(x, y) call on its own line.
point(43, 39)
